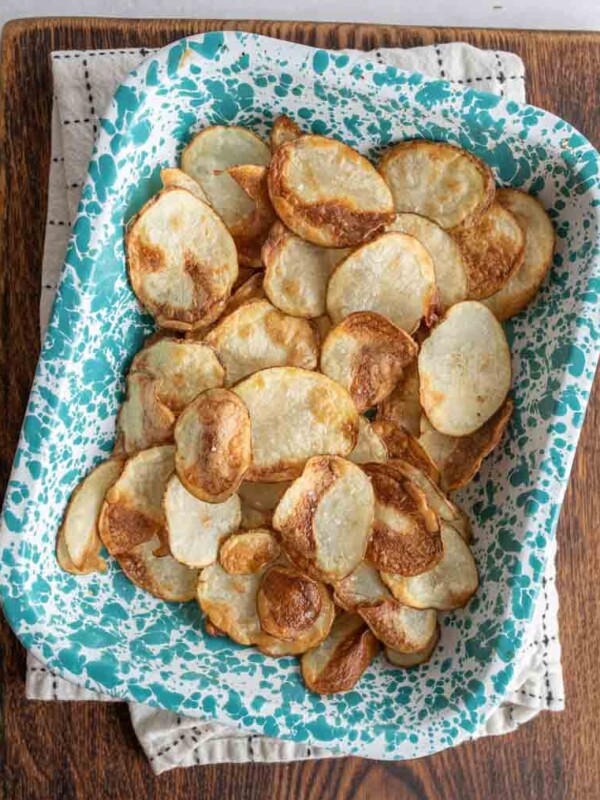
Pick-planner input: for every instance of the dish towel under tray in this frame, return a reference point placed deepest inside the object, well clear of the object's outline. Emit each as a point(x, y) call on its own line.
point(83, 85)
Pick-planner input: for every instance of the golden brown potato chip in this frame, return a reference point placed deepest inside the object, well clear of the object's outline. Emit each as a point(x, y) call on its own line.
point(181, 260)
point(493, 250)
point(406, 629)
point(296, 272)
point(257, 335)
point(337, 664)
point(243, 275)
point(367, 354)
point(361, 588)
point(407, 660)
point(295, 414)
point(392, 275)
point(248, 551)
point(284, 130)
point(289, 603)
point(540, 240)
point(304, 640)
point(464, 369)
point(251, 231)
point(406, 531)
point(325, 517)
point(400, 444)
point(213, 445)
point(403, 405)
point(143, 421)
point(438, 180)
point(252, 518)
point(370, 447)
point(250, 289)
point(328, 193)
point(459, 458)
point(262, 496)
point(176, 177)
point(229, 602)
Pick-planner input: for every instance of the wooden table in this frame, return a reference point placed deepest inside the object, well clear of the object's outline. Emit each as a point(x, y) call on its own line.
point(52, 750)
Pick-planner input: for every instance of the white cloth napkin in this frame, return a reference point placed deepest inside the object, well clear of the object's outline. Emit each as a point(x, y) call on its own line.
point(83, 85)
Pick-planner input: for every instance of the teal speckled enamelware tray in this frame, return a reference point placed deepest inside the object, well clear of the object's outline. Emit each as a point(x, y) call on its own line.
point(101, 631)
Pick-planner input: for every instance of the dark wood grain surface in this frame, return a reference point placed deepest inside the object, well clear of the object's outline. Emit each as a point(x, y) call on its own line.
point(51, 750)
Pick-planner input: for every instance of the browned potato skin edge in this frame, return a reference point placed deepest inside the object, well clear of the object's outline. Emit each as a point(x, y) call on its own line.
point(347, 664)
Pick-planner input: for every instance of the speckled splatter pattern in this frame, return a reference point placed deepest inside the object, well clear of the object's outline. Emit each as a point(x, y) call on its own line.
point(103, 632)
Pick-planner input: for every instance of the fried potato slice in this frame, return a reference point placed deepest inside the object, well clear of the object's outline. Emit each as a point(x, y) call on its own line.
point(171, 176)
point(401, 444)
point(449, 585)
point(406, 531)
point(208, 157)
point(392, 275)
point(295, 414)
point(361, 588)
point(252, 518)
point(164, 577)
point(195, 528)
point(143, 421)
point(540, 241)
point(493, 250)
point(250, 289)
point(229, 602)
point(289, 603)
point(246, 552)
point(297, 272)
point(459, 458)
point(464, 370)
point(438, 180)
point(366, 354)
point(250, 232)
point(181, 368)
point(181, 260)
point(338, 663)
point(257, 335)
point(262, 496)
point(325, 517)
point(213, 439)
point(79, 527)
point(370, 447)
point(406, 629)
point(64, 559)
point(284, 130)
point(403, 405)
point(327, 193)
point(313, 636)
point(448, 262)
point(414, 659)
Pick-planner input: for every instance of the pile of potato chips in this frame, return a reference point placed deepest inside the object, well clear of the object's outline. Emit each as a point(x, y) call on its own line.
point(296, 287)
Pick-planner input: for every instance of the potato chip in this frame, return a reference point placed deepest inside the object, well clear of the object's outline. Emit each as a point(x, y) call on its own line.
point(370, 446)
point(195, 529)
point(246, 552)
point(406, 629)
point(163, 576)
point(257, 336)
point(296, 272)
point(176, 177)
point(262, 496)
point(449, 585)
point(64, 559)
point(322, 325)
point(493, 250)
point(392, 275)
point(459, 458)
point(80, 522)
point(252, 518)
point(327, 193)
point(403, 405)
point(325, 517)
point(367, 354)
point(181, 368)
point(362, 587)
point(414, 659)
point(243, 275)
point(464, 370)
point(143, 421)
point(448, 263)
point(251, 289)
point(289, 603)
point(284, 130)
point(295, 414)
point(540, 240)
point(181, 260)
point(438, 180)
point(400, 444)
point(213, 445)
point(229, 602)
point(338, 663)
point(250, 232)
point(313, 636)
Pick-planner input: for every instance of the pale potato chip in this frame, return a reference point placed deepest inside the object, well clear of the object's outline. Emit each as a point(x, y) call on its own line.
point(464, 370)
point(438, 180)
point(362, 587)
point(208, 157)
point(493, 250)
point(367, 354)
point(250, 232)
point(289, 603)
point(414, 659)
point(195, 529)
point(295, 414)
point(181, 368)
point(171, 176)
point(229, 602)
point(327, 193)
point(325, 517)
point(143, 421)
point(370, 447)
point(252, 518)
point(297, 272)
point(284, 130)
point(64, 559)
point(213, 445)
point(449, 585)
point(338, 663)
point(459, 458)
point(448, 263)
point(392, 275)
point(406, 530)
point(257, 335)
point(406, 629)
point(181, 260)
point(540, 241)
point(246, 552)
point(163, 576)
point(262, 496)
point(403, 405)
point(79, 527)
point(401, 444)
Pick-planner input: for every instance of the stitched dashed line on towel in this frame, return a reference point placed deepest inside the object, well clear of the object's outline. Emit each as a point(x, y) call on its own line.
point(440, 61)
point(59, 222)
point(96, 53)
point(76, 121)
point(88, 86)
point(501, 77)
